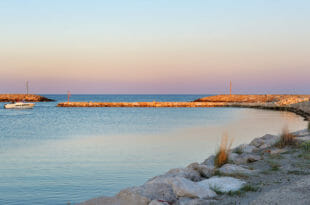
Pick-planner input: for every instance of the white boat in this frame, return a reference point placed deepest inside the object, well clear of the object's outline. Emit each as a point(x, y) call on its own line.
point(19, 105)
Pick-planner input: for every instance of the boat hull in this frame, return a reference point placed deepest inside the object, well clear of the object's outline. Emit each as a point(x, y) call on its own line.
point(19, 106)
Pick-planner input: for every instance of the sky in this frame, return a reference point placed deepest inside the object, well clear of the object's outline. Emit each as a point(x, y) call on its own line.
point(155, 47)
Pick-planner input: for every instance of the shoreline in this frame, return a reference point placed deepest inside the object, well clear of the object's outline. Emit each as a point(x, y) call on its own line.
point(260, 172)
point(253, 171)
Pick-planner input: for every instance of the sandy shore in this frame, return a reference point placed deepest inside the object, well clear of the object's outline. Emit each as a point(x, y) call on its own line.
point(23, 97)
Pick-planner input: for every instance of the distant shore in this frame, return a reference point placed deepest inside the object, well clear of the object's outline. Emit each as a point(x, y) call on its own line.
point(23, 97)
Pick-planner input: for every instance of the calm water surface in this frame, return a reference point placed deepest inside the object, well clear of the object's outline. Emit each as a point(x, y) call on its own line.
point(51, 155)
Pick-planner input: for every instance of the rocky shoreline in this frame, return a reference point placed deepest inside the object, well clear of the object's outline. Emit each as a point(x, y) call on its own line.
point(260, 172)
point(253, 171)
point(23, 97)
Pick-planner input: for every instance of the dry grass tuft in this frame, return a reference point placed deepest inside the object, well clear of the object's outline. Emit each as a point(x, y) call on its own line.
point(286, 138)
point(222, 154)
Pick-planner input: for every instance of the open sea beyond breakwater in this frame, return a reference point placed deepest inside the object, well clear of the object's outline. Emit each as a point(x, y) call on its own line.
point(52, 155)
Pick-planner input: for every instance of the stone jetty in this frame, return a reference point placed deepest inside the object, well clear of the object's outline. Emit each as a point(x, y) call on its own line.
point(23, 97)
point(298, 104)
point(141, 104)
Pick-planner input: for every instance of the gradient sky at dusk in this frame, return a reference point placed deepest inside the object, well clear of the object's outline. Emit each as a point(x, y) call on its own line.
point(160, 46)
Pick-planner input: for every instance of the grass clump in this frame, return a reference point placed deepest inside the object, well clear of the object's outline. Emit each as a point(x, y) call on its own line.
point(221, 156)
point(274, 166)
point(217, 190)
point(286, 139)
point(305, 146)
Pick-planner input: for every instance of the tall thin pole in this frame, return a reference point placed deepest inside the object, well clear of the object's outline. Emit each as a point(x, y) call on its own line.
point(27, 87)
point(69, 94)
point(230, 88)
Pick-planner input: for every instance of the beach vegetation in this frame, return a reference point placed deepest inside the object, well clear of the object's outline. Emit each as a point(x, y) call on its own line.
point(221, 156)
point(274, 166)
point(306, 146)
point(286, 139)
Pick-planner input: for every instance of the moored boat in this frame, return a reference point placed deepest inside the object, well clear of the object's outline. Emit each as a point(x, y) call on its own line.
point(19, 105)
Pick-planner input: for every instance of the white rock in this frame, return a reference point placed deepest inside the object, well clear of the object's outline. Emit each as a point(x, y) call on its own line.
point(156, 202)
point(185, 188)
point(223, 184)
point(235, 169)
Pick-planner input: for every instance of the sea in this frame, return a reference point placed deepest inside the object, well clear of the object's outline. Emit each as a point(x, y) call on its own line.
point(55, 155)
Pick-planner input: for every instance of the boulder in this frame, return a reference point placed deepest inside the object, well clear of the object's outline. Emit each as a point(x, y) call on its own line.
point(156, 202)
point(204, 170)
point(185, 188)
point(190, 201)
point(231, 169)
point(209, 161)
point(265, 141)
point(243, 158)
point(245, 148)
point(188, 173)
point(223, 184)
point(148, 192)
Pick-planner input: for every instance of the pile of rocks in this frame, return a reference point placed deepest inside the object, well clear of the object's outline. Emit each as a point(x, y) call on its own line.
point(198, 183)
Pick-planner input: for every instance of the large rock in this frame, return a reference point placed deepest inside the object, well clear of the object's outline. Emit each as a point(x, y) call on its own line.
point(265, 141)
point(245, 148)
point(156, 202)
point(188, 173)
point(191, 201)
point(185, 188)
point(148, 192)
point(204, 170)
point(243, 158)
point(223, 184)
point(231, 169)
point(210, 161)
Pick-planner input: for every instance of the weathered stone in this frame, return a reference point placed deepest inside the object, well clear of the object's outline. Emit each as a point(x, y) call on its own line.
point(243, 158)
point(277, 151)
point(203, 170)
point(185, 188)
point(245, 148)
point(156, 202)
point(148, 192)
point(188, 173)
point(209, 161)
point(231, 169)
point(223, 184)
point(265, 141)
point(190, 201)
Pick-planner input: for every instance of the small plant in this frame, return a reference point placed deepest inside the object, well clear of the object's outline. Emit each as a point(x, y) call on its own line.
point(249, 187)
point(306, 146)
point(222, 154)
point(286, 139)
point(274, 166)
point(238, 150)
point(217, 190)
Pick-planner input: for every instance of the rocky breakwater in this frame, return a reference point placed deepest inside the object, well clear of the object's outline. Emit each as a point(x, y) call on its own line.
point(23, 97)
point(250, 174)
point(299, 104)
point(141, 104)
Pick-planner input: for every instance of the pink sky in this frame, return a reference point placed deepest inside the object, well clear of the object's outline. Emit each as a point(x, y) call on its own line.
point(155, 49)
